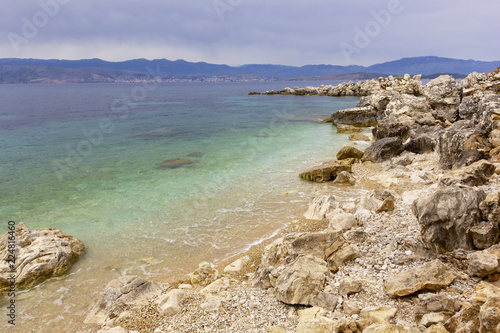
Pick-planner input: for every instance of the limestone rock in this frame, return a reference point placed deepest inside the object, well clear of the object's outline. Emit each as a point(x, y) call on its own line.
point(384, 149)
point(389, 328)
point(490, 207)
point(475, 174)
point(349, 152)
point(465, 321)
point(317, 244)
point(344, 254)
point(447, 216)
point(120, 296)
point(489, 316)
point(345, 178)
point(321, 206)
point(169, 303)
point(485, 234)
point(212, 305)
point(420, 145)
point(284, 251)
point(359, 116)
point(445, 95)
point(485, 290)
point(438, 328)
point(386, 206)
point(237, 265)
point(317, 325)
point(350, 307)
point(349, 286)
point(378, 314)
point(343, 128)
point(217, 286)
point(40, 254)
point(342, 221)
point(324, 172)
point(359, 137)
point(404, 113)
point(204, 275)
point(302, 281)
point(483, 263)
point(431, 276)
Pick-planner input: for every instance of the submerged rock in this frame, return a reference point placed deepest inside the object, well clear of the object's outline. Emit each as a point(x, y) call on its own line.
point(324, 172)
point(39, 254)
point(174, 163)
point(349, 152)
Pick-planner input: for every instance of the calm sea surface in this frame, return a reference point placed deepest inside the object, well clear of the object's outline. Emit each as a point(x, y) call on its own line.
point(83, 158)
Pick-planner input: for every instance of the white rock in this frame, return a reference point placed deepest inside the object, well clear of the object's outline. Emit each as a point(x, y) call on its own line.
point(237, 265)
point(169, 303)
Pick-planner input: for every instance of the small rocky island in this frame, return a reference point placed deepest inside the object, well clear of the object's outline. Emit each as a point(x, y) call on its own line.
point(411, 246)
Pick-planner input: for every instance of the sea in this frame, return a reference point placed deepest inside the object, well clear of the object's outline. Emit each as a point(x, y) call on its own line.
point(86, 159)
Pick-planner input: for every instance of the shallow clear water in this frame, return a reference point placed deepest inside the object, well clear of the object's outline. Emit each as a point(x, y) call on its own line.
point(83, 157)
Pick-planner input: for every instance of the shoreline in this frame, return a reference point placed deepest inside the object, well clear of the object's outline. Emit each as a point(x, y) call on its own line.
point(369, 254)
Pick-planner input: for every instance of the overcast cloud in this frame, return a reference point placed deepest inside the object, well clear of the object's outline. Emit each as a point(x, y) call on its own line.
point(235, 32)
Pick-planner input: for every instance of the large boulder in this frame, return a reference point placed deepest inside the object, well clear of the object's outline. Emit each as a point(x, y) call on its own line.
point(284, 251)
point(321, 206)
point(39, 254)
point(120, 297)
point(476, 174)
point(359, 116)
point(349, 152)
point(489, 316)
point(447, 216)
point(302, 281)
point(383, 149)
point(324, 172)
point(490, 207)
point(444, 94)
point(431, 276)
point(402, 114)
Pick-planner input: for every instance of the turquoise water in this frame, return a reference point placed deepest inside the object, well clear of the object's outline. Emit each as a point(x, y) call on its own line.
point(82, 158)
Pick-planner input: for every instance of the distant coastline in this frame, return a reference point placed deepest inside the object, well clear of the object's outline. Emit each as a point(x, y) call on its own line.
point(22, 71)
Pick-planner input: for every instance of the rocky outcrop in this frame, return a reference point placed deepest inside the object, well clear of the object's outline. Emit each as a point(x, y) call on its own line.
point(445, 95)
point(282, 252)
point(325, 172)
point(119, 298)
point(302, 281)
point(321, 206)
point(349, 152)
point(435, 309)
point(432, 276)
point(404, 113)
point(384, 149)
point(475, 174)
point(39, 254)
point(447, 217)
point(401, 84)
point(360, 116)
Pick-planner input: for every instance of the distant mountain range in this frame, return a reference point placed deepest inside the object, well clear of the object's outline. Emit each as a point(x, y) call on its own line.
point(97, 70)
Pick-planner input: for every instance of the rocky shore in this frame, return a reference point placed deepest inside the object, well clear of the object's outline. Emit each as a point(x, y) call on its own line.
point(401, 237)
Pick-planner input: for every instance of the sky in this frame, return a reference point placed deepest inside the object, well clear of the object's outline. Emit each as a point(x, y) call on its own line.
point(237, 32)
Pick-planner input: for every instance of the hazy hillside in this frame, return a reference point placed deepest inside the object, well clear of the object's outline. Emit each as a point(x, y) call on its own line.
point(97, 70)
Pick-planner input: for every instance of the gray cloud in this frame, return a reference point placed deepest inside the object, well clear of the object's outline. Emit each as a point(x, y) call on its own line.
point(245, 31)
